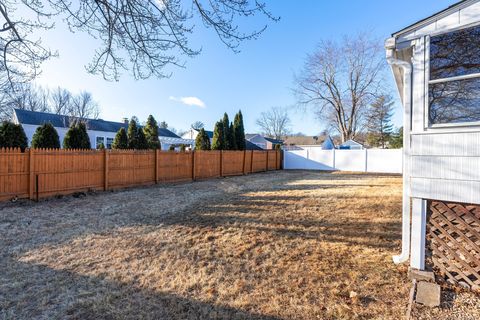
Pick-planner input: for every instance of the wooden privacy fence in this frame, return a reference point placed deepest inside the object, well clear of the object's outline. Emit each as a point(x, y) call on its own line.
point(38, 173)
point(453, 236)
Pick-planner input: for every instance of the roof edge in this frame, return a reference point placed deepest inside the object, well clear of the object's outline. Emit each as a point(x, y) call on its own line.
point(445, 12)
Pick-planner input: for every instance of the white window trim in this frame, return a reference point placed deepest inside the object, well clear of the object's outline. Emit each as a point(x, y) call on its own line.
point(437, 127)
point(96, 141)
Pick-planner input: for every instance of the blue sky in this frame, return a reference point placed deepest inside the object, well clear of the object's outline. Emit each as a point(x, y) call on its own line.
point(257, 78)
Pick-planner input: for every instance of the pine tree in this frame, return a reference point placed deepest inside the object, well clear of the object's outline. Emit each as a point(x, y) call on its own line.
point(218, 137)
point(227, 133)
point(77, 137)
point(12, 136)
point(132, 134)
point(142, 143)
point(239, 131)
point(396, 140)
point(379, 122)
point(121, 140)
point(151, 133)
point(46, 137)
point(202, 142)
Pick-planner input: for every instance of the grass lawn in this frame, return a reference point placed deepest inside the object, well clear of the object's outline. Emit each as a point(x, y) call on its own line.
point(279, 245)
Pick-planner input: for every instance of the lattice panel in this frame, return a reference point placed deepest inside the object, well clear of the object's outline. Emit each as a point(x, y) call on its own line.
point(453, 237)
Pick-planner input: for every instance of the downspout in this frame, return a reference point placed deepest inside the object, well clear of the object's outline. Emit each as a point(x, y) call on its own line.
point(407, 104)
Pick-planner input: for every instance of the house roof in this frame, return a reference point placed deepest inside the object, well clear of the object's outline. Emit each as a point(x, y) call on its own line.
point(249, 136)
point(434, 16)
point(61, 121)
point(274, 141)
point(351, 143)
point(251, 146)
point(209, 133)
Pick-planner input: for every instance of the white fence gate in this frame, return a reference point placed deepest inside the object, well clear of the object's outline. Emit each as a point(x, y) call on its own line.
point(367, 160)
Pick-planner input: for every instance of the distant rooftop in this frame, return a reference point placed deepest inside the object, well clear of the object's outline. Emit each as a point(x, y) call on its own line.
point(61, 121)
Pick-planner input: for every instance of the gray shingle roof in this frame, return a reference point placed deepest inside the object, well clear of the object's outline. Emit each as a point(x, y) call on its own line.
point(61, 121)
point(251, 146)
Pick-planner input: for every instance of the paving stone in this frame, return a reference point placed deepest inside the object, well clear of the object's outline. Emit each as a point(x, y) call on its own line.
point(428, 294)
point(421, 275)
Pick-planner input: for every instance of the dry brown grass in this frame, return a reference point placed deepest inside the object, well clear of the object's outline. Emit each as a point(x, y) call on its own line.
point(280, 245)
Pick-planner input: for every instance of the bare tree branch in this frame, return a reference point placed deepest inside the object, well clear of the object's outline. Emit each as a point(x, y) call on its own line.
point(275, 123)
point(340, 80)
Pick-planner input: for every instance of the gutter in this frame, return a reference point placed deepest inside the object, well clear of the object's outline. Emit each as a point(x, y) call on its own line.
point(407, 104)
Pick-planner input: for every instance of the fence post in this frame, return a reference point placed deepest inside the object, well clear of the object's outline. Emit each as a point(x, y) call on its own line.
point(156, 166)
point(193, 165)
point(266, 162)
point(366, 160)
point(251, 162)
point(105, 171)
point(276, 159)
point(221, 163)
point(244, 160)
point(333, 164)
point(31, 174)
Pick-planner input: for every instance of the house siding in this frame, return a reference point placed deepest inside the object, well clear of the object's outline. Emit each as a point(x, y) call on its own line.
point(445, 161)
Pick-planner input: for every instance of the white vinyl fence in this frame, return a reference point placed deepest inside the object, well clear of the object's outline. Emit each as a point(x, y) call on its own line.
point(367, 160)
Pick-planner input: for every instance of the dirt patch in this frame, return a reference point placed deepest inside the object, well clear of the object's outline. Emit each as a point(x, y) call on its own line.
point(279, 245)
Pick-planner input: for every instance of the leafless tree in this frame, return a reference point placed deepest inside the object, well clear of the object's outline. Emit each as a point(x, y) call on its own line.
point(340, 80)
point(84, 107)
point(25, 97)
point(21, 55)
point(275, 122)
point(61, 101)
point(197, 125)
point(144, 37)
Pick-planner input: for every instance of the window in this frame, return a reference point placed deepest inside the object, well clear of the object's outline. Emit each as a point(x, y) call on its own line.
point(100, 140)
point(454, 85)
point(109, 143)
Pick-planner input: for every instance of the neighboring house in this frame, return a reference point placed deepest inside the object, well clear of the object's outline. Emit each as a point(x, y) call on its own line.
point(263, 142)
point(351, 145)
point(328, 144)
point(436, 65)
point(251, 146)
point(193, 133)
point(99, 131)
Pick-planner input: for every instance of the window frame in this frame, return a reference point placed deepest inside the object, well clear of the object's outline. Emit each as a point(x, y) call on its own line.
point(96, 141)
point(106, 142)
point(428, 82)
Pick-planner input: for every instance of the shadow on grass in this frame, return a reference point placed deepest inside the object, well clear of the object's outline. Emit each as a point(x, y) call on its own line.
point(40, 292)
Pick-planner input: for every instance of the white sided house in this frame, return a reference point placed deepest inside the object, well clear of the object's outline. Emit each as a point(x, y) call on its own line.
point(99, 131)
point(436, 65)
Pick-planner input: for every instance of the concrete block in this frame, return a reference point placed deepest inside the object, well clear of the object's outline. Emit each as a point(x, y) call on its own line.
point(428, 294)
point(420, 275)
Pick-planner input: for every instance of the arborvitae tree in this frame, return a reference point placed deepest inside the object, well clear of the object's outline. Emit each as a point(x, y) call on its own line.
point(227, 133)
point(183, 148)
point(77, 137)
point(12, 136)
point(218, 137)
point(46, 137)
point(100, 146)
point(151, 133)
point(132, 134)
point(171, 148)
point(121, 140)
point(202, 142)
point(239, 131)
point(231, 136)
point(142, 142)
